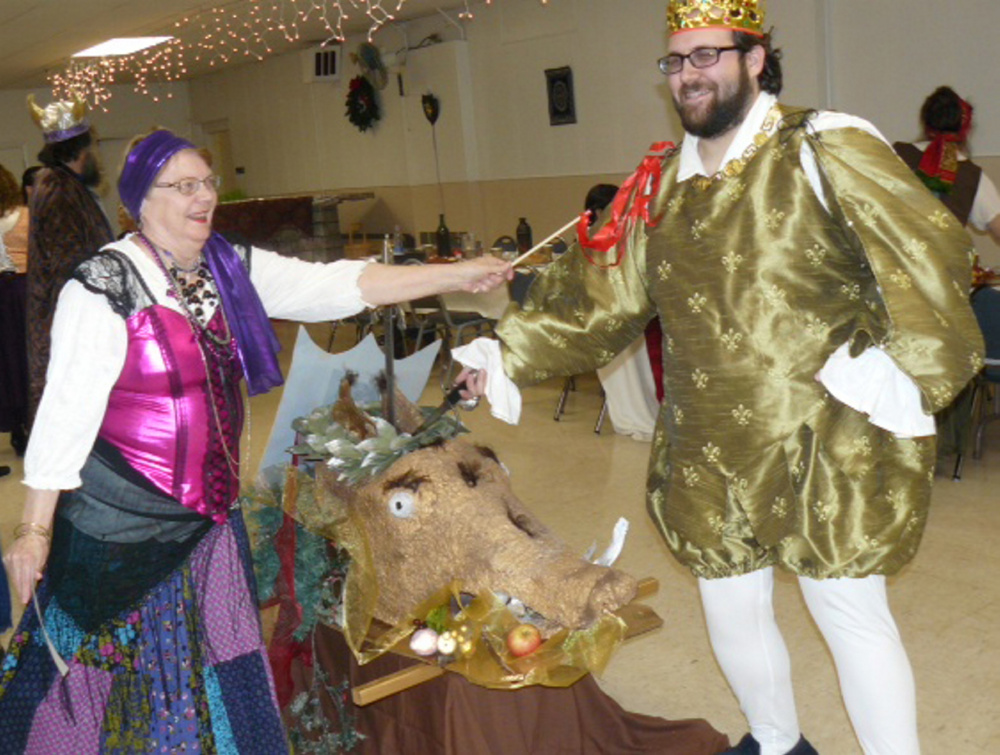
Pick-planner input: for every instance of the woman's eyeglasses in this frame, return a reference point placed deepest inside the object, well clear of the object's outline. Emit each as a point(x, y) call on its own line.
point(188, 186)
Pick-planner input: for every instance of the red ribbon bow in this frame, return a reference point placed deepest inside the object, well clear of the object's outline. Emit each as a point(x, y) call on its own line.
point(940, 161)
point(640, 188)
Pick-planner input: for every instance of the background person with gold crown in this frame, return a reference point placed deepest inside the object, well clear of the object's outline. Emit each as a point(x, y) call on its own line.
point(813, 297)
point(67, 223)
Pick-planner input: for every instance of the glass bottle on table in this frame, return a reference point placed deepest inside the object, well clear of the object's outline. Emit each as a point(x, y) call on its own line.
point(442, 238)
point(469, 245)
point(397, 242)
point(387, 250)
point(523, 236)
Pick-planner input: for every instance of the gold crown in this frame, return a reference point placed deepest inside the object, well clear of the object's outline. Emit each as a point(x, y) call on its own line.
point(738, 15)
point(59, 121)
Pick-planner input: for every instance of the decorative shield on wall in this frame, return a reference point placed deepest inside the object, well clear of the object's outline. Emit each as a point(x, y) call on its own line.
point(562, 105)
point(432, 107)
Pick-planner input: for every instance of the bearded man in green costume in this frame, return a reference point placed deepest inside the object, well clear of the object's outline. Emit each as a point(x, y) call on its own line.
point(814, 303)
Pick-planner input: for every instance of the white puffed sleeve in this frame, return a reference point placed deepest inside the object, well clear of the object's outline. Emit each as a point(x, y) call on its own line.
point(89, 346)
point(292, 289)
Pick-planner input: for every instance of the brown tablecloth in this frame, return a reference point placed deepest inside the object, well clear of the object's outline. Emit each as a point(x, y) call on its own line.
point(451, 716)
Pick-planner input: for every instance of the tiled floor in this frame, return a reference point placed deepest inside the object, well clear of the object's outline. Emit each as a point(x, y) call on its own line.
point(947, 602)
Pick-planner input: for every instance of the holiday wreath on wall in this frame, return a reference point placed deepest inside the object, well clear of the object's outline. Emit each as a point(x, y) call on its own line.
point(362, 104)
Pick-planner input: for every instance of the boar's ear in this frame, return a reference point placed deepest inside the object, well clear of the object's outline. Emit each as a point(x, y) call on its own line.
point(335, 494)
point(348, 414)
point(408, 414)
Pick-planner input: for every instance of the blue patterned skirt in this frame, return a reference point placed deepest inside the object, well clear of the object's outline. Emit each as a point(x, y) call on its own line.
point(176, 666)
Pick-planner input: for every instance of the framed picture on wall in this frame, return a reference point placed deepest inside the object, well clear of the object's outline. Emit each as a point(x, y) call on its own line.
point(562, 105)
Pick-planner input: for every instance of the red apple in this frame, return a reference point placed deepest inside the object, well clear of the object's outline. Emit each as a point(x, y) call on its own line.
point(523, 639)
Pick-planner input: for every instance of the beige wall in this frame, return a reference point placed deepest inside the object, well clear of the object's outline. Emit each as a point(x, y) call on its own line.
point(888, 56)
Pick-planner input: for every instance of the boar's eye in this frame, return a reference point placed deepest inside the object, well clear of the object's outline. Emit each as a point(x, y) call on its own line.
point(402, 504)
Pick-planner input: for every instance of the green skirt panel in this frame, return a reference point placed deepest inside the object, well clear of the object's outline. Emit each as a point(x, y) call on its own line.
point(839, 497)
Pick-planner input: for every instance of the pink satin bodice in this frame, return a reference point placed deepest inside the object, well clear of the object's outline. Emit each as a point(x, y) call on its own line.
point(159, 417)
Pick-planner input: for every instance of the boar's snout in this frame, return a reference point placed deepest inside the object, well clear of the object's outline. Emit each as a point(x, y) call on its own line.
point(611, 591)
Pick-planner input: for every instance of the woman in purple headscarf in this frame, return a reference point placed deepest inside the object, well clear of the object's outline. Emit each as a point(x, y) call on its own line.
point(144, 635)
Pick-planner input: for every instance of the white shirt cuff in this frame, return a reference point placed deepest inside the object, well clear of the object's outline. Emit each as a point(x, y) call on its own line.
point(872, 383)
point(503, 395)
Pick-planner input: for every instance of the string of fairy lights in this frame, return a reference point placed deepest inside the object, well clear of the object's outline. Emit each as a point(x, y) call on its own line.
point(241, 30)
point(468, 15)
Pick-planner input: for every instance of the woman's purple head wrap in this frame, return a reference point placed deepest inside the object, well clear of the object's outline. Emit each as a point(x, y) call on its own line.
point(255, 339)
point(144, 164)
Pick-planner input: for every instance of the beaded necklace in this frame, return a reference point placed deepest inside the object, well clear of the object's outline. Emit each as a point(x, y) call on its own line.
point(191, 295)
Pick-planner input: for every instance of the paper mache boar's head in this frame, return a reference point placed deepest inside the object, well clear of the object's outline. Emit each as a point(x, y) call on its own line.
point(442, 511)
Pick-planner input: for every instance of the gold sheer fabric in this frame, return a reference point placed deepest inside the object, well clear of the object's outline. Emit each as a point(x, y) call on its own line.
point(756, 284)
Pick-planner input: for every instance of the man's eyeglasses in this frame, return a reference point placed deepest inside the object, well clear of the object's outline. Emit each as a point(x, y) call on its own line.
point(701, 57)
point(188, 186)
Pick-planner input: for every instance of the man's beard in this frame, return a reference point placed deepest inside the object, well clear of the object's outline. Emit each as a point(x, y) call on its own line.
point(727, 112)
point(91, 171)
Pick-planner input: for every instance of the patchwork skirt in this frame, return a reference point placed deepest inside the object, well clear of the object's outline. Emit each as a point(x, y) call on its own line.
point(179, 666)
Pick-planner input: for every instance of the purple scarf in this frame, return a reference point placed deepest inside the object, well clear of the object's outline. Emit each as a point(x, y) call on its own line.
point(255, 339)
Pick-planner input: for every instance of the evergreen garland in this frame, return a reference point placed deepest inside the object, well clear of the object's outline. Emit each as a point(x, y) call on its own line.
point(312, 567)
point(316, 734)
point(263, 523)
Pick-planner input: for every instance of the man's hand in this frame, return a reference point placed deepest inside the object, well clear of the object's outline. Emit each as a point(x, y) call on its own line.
point(475, 383)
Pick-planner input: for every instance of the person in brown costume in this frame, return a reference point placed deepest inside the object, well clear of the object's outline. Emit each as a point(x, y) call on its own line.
point(67, 224)
point(942, 162)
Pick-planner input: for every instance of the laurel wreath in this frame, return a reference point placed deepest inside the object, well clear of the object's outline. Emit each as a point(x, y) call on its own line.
point(357, 459)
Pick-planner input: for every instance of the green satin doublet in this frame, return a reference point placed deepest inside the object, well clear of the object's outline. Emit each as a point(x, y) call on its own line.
point(756, 283)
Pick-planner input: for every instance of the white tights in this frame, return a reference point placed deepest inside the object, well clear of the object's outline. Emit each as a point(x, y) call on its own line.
point(853, 615)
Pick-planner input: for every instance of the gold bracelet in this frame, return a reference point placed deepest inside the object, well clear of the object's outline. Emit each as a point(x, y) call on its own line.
point(30, 528)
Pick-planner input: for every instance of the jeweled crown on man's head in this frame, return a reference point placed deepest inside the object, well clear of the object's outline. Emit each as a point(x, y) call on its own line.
point(735, 15)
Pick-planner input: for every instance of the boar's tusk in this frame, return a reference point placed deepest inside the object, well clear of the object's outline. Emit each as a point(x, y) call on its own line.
point(614, 549)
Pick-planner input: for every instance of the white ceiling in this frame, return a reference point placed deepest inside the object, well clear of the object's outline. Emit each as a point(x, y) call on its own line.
point(38, 36)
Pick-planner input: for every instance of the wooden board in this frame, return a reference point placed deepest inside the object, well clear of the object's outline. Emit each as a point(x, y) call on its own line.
point(410, 676)
point(639, 619)
point(647, 587)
